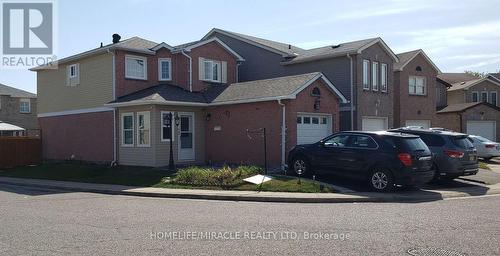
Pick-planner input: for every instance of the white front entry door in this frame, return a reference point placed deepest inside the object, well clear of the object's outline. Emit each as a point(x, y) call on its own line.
point(485, 129)
point(186, 136)
point(312, 128)
point(374, 124)
point(426, 124)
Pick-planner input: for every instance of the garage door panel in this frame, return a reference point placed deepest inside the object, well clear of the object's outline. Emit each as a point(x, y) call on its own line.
point(485, 129)
point(312, 128)
point(426, 124)
point(373, 124)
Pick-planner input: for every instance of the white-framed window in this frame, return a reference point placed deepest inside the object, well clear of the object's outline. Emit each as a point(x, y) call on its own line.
point(72, 71)
point(164, 69)
point(167, 133)
point(24, 106)
point(375, 76)
point(127, 129)
point(212, 70)
point(494, 98)
point(136, 67)
point(143, 129)
point(484, 96)
point(475, 96)
point(366, 74)
point(383, 77)
point(417, 85)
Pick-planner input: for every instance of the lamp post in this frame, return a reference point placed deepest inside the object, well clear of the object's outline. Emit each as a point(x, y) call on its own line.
point(169, 121)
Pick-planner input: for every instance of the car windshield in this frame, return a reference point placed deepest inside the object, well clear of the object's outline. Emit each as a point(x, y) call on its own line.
point(414, 144)
point(462, 142)
point(481, 139)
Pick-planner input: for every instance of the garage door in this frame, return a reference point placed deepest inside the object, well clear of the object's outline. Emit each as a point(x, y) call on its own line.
point(312, 128)
point(426, 124)
point(485, 129)
point(373, 124)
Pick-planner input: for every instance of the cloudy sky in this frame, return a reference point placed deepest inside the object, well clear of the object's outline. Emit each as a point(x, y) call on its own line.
point(457, 35)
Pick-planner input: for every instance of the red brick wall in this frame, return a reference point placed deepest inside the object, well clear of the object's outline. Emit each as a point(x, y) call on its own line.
point(87, 136)
point(232, 145)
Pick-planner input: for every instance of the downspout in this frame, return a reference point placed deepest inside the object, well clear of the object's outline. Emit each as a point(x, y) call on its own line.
point(238, 64)
point(114, 110)
point(352, 90)
point(190, 70)
point(283, 137)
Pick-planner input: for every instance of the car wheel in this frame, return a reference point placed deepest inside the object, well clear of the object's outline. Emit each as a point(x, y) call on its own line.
point(381, 180)
point(301, 163)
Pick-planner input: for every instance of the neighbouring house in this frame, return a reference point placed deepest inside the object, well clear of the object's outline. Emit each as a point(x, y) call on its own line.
point(415, 90)
point(475, 99)
point(18, 110)
point(361, 70)
point(110, 104)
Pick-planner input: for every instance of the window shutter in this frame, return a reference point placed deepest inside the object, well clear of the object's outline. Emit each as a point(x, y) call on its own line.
point(77, 72)
point(224, 72)
point(68, 80)
point(201, 69)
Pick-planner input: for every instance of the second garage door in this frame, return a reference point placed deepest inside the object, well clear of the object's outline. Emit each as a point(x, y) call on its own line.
point(374, 124)
point(485, 129)
point(426, 124)
point(312, 128)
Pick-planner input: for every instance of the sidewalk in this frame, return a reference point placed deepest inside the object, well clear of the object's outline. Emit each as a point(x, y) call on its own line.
point(405, 196)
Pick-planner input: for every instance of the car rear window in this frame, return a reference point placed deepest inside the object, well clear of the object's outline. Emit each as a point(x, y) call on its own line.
point(413, 144)
point(461, 142)
point(433, 140)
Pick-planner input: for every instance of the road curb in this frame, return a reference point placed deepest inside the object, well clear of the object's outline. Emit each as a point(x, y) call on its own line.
point(253, 196)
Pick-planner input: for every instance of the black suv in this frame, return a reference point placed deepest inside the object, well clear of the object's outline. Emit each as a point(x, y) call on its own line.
point(454, 154)
point(382, 159)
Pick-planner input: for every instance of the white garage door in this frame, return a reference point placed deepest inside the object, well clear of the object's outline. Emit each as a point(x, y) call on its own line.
point(485, 129)
point(426, 124)
point(312, 128)
point(373, 124)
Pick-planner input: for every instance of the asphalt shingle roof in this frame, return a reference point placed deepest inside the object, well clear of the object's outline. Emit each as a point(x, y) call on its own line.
point(459, 107)
point(458, 81)
point(14, 92)
point(405, 57)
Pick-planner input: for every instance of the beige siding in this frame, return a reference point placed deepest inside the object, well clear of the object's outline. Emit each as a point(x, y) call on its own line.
point(455, 97)
point(94, 89)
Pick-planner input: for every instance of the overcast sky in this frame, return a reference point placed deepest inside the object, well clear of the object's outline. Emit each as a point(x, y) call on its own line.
point(457, 35)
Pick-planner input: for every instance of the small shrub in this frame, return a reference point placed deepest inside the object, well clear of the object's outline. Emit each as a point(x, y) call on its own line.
point(225, 176)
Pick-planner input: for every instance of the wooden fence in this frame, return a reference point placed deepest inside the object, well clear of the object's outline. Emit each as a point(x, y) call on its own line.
point(19, 151)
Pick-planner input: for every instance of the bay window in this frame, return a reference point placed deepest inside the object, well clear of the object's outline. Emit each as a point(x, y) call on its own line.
point(143, 129)
point(127, 129)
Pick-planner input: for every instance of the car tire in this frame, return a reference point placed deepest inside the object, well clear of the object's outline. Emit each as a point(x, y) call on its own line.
point(381, 180)
point(303, 163)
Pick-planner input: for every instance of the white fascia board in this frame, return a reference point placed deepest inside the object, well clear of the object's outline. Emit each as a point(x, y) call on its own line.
point(215, 39)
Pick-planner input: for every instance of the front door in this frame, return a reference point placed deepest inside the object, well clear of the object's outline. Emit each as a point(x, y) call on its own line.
point(186, 136)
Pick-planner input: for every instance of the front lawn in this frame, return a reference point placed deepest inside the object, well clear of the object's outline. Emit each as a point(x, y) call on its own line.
point(225, 178)
point(484, 165)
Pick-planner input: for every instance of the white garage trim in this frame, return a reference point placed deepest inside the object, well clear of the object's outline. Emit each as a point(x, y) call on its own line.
point(426, 124)
point(367, 127)
point(487, 129)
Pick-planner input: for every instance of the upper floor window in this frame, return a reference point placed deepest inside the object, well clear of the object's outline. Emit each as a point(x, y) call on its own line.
point(24, 106)
point(484, 96)
point(383, 77)
point(366, 75)
point(136, 67)
point(475, 96)
point(417, 85)
point(164, 69)
point(212, 70)
point(375, 76)
point(494, 99)
point(72, 71)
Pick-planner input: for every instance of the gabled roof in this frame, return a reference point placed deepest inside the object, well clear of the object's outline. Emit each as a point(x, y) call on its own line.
point(461, 107)
point(407, 57)
point(134, 44)
point(287, 50)
point(162, 45)
point(189, 46)
point(354, 47)
point(14, 92)
point(254, 91)
point(495, 76)
point(463, 81)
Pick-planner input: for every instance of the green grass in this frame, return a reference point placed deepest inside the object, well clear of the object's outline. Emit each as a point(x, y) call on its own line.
point(483, 165)
point(225, 178)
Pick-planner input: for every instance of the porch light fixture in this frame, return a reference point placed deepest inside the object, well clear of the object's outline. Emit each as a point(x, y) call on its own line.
point(168, 121)
point(208, 117)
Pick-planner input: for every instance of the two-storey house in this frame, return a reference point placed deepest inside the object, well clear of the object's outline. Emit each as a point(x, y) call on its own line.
point(18, 109)
point(113, 103)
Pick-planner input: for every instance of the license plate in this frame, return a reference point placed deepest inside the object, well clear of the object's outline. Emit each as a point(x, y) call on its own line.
point(472, 158)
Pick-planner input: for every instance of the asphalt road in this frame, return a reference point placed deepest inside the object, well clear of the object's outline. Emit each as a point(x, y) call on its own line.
point(50, 222)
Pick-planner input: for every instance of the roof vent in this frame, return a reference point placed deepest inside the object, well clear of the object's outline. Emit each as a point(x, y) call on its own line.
point(335, 46)
point(289, 46)
point(116, 38)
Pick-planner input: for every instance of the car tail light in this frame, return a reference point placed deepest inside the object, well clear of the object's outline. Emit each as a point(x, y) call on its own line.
point(454, 153)
point(405, 158)
point(490, 145)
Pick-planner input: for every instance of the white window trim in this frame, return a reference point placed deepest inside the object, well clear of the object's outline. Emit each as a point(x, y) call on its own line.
point(496, 98)
point(383, 88)
point(160, 61)
point(375, 74)
point(415, 93)
point(73, 66)
point(472, 96)
point(366, 86)
point(29, 106)
point(123, 129)
point(487, 96)
point(137, 128)
point(133, 57)
point(219, 71)
point(162, 125)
